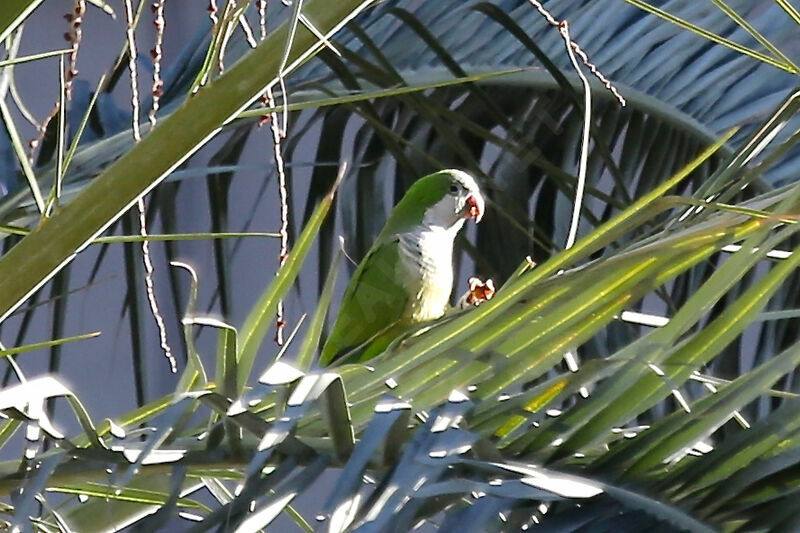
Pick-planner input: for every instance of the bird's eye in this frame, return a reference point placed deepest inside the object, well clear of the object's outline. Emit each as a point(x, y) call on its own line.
point(453, 188)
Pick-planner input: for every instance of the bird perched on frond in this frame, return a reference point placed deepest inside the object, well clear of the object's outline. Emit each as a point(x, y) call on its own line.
point(407, 275)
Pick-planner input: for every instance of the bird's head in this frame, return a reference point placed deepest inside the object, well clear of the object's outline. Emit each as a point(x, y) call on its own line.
point(444, 199)
point(461, 200)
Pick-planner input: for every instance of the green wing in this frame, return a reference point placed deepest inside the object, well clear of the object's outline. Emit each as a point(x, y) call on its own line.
point(373, 305)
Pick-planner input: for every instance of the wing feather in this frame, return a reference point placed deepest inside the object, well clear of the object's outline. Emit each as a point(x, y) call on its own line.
point(374, 301)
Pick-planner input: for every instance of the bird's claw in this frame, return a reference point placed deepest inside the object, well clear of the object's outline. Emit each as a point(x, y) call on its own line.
point(479, 291)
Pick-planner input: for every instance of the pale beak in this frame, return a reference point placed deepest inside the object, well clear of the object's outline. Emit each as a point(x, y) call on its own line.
point(474, 208)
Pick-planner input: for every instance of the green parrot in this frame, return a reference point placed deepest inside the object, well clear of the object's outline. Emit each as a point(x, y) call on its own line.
point(407, 276)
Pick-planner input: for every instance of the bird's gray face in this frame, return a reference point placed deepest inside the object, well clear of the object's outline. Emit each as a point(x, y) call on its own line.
point(462, 201)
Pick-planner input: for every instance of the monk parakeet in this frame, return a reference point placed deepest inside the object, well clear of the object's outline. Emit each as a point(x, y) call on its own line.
point(407, 276)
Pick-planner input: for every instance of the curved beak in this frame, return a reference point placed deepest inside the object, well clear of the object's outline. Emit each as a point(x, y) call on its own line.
point(474, 207)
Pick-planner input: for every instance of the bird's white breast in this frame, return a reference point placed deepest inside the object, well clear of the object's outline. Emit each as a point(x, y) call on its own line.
point(427, 260)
